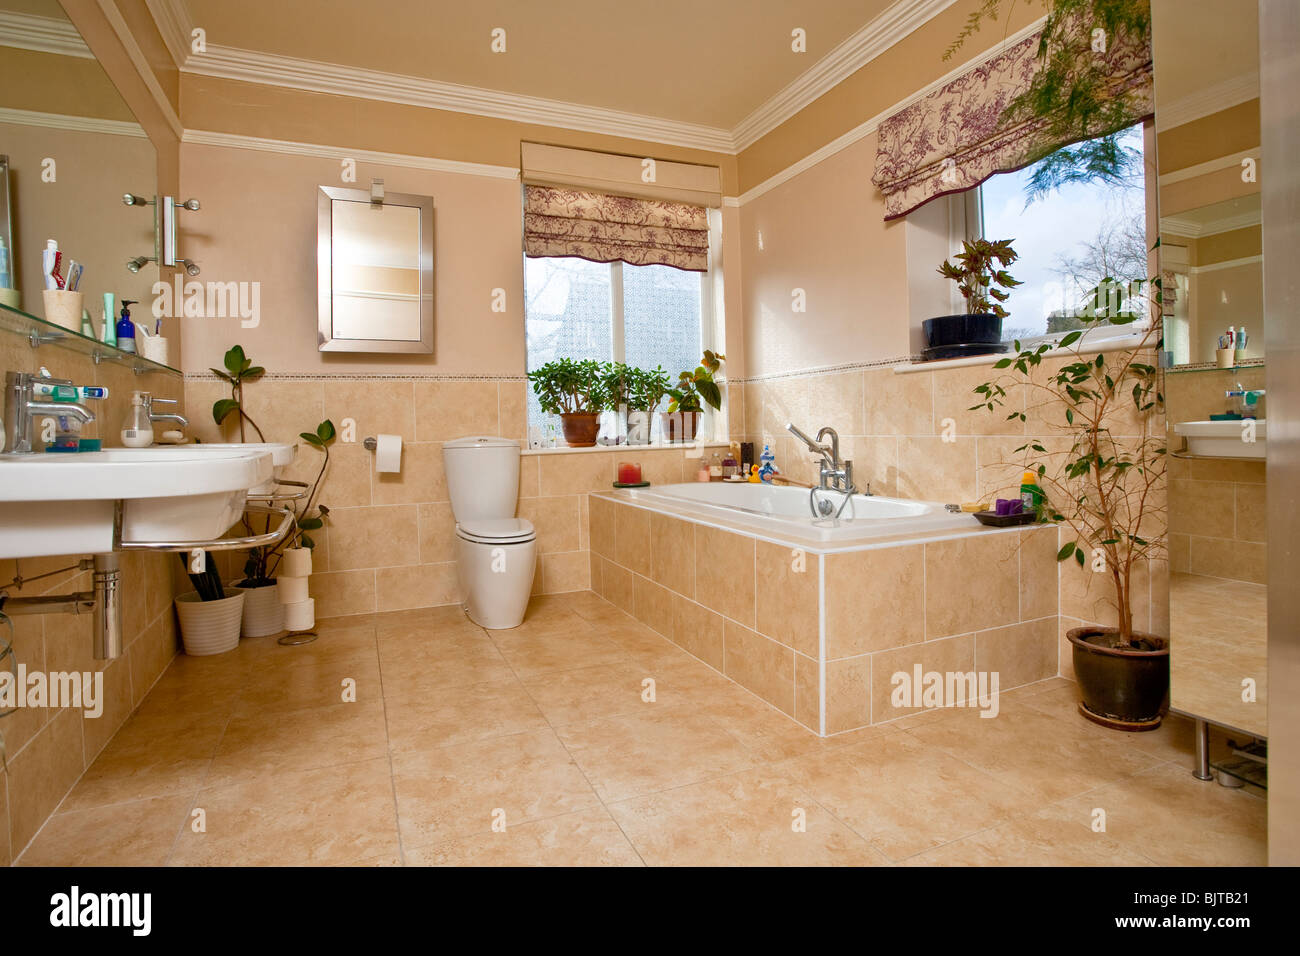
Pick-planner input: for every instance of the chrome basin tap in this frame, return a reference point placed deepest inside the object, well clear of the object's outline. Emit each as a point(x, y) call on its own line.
point(21, 406)
point(149, 402)
point(836, 474)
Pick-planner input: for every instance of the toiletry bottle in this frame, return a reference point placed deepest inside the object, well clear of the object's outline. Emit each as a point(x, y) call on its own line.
point(1031, 496)
point(137, 430)
point(715, 468)
point(126, 328)
point(6, 277)
point(730, 467)
point(108, 329)
point(703, 473)
point(47, 263)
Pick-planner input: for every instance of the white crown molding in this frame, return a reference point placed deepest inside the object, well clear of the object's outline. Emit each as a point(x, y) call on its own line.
point(869, 126)
point(1231, 92)
point(1195, 230)
point(1226, 264)
point(850, 55)
point(1209, 166)
point(43, 34)
point(174, 25)
point(78, 124)
point(198, 137)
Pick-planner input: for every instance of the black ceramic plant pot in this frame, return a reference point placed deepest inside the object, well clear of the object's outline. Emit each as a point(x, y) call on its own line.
point(945, 330)
point(1125, 688)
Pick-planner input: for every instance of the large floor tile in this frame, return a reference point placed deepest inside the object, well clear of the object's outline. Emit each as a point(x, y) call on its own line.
point(585, 838)
point(140, 833)
point(461, 714)
point(1038, 839)
point(752, 818)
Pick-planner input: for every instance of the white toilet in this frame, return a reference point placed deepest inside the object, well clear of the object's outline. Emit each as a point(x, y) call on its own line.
point(496, 552)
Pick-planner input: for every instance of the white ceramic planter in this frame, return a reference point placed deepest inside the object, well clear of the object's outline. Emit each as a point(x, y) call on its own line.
point(300, 616)
point(210, 627)
point(263, 612)
point(296, 563)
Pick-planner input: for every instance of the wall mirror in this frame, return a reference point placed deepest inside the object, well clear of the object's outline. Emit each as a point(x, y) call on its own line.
point(1208, 132)
point(374, 261)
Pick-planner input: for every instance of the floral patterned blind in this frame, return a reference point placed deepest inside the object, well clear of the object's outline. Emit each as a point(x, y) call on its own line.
point(605, 228)
point(954, 138)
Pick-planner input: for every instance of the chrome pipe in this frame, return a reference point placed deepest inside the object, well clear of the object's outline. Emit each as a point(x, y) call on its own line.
point(108, 607)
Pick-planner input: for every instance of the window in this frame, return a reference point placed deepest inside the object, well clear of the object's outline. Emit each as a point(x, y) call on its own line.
point(1069, 237)
point(642, 315)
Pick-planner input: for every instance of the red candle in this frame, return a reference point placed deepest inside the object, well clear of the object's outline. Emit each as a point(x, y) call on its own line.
point(629, 473)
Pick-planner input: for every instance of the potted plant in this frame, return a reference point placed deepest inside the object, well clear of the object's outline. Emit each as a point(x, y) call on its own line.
point(646, 389)
point(263, 610)
point(682, 420)
point(576, 391)
point(1103, 490)
point(982, 279)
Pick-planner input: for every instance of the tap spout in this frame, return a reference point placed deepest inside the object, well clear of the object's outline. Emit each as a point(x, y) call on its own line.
point(80, 412)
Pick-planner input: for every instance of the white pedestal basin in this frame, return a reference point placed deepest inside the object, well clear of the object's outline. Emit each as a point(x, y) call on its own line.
point(56, 504)
point(1240, 438)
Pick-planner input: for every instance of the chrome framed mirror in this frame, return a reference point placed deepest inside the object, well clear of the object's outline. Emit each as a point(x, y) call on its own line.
point(374, 268)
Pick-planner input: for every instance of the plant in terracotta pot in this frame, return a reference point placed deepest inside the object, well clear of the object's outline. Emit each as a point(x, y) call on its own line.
point(1103, 483)
point(983, 281)
point(682, 420)
point(577, 391)
point(646, 388)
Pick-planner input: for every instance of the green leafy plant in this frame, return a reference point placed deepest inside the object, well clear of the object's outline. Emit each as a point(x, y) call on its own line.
point(647, 388)
point(569, 386)
point(694, 387)
point(238, 370)
point(1105, 487)
point(980, 266)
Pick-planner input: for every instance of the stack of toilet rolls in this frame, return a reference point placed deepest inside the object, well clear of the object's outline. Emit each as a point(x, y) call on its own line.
point(299, 607)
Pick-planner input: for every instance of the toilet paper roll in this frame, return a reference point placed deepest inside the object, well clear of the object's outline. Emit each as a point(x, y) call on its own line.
point(293, 590)
point(388, 454)
point(300, 616)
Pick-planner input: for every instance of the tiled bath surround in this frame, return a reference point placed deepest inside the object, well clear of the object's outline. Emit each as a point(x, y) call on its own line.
point(390, 539)
point(47, 749)
point(770, 616)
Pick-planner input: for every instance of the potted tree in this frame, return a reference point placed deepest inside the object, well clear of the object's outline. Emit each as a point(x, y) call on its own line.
point(682, 420)
point(982, 279)
point(1104, 489)
point(263, 610)
point(646, 389)
point(576, 391)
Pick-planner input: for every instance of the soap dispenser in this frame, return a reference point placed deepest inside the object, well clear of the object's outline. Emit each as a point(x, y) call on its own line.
point(126, 327)
point(137, 430)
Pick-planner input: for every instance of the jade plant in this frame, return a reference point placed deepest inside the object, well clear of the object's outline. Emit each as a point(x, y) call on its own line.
point(571, 386)
point(309, 515)
point(981, 276)
point(647, 388)
point(697, 386)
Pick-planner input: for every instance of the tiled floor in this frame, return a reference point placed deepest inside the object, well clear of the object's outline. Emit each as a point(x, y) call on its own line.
point(545, 745)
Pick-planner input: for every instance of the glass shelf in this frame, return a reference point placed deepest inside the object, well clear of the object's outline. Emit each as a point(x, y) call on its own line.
point(40, 333)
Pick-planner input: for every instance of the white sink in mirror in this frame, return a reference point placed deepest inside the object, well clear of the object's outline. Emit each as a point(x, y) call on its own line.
point(1236, 438)
point(282, 453)
point(57, 504)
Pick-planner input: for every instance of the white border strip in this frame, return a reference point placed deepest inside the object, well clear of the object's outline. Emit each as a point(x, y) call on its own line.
point(78, 124)
point(25, 31)
point(1233, 91)
point(1209, 166)
point(1226, 264)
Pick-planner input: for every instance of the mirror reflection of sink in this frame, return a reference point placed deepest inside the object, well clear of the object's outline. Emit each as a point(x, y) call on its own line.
point(1225, 439)
point(56, 504)
point(282, 453)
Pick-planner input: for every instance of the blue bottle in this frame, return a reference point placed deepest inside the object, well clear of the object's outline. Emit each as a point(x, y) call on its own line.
point(767, 464)
point(126, 328)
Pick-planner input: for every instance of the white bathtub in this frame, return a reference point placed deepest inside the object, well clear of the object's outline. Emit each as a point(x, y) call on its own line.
point(784, 511)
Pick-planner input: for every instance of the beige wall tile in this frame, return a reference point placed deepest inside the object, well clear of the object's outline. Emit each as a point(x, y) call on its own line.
point(760, 665)
point(897, 404)
point(955, 654)
point(425, 585)
point(118, 702)
point(596, 565)
point(875, 464)
point(699, 631)
point(557, 521)
point(455, 409)
point(567, 571)
point(617, 582)
point(1020, 653)
point(874, 600)
point(1038, 573)
point(375, 537)
point(342, 593)
point(149, 655)
point(6, 857)
point(652, 605)
point(422, 477)
point(786, 599)
point(1202, 507)
point(931, 469)
point(437, 532)
point(528, 476)
point(1252, 513)
point(29, 650)
point(346, 482)
point(954, 394)
point(848, 694)
point(574, 473)
point(807, 692)
point(658, 466)
point(42, 773)
point(603, 515)
point(512, 410)
point(971, 584)
point(375, 405)
point(672, 549)
point(632, 539)
point(1238, 560)
point(724, 573)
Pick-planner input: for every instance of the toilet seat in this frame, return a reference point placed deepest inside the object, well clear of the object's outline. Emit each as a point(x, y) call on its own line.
point(497, 531)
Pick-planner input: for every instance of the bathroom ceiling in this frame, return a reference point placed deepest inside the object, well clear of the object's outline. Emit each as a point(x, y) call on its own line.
point(709, 63)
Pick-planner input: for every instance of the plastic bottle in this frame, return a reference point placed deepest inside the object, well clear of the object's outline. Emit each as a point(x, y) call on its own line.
point(1031, 496)
point(6, 280)
point(126, 328)
point(137, 430)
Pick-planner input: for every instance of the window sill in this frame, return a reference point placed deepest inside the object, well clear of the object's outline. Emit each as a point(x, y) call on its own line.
point(624, 449)
point(1114, 343)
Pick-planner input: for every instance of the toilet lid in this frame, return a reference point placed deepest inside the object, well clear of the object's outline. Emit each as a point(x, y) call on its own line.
point(497, 530)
